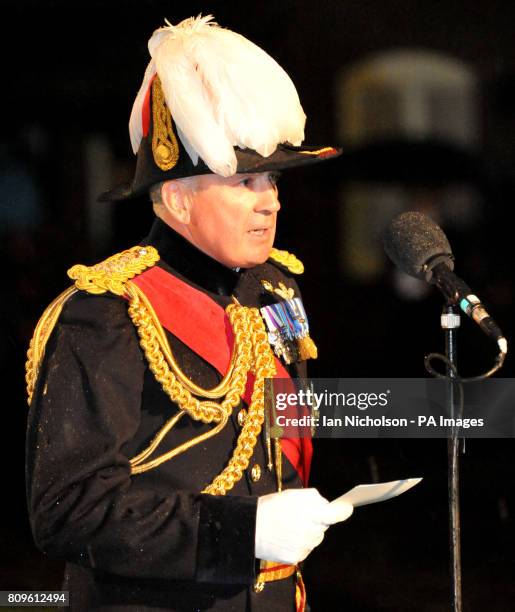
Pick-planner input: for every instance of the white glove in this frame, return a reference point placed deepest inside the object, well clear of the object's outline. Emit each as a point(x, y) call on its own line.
point(291, 523)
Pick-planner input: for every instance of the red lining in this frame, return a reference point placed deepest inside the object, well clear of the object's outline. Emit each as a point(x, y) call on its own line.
point(145, 111)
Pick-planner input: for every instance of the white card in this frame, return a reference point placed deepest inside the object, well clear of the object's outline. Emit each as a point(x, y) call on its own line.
point(372, 493)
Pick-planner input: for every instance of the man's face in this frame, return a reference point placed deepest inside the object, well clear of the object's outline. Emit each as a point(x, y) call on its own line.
point(234, 219)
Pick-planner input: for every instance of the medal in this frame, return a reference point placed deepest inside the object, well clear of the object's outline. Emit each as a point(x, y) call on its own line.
point(306, 346)
point(279, 333)
point(287, 325)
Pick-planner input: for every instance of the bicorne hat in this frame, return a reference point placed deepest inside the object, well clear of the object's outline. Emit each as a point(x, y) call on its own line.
point(211, 101)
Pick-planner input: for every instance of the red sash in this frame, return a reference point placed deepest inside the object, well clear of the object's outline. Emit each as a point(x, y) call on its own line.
point(204, 327)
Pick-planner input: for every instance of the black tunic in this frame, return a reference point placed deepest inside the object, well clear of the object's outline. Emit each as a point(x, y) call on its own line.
point(150, 541)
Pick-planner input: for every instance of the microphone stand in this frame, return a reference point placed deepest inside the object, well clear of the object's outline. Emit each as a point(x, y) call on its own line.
point(450, 321)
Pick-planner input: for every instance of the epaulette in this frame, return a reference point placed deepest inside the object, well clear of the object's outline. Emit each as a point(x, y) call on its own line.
point(108, 275)
point(287, 260)
point(112, 273)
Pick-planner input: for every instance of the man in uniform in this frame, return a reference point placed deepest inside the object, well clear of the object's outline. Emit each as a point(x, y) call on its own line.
point(150, 465)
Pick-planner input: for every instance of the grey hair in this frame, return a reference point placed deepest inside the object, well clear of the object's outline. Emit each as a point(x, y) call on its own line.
point(155, 191)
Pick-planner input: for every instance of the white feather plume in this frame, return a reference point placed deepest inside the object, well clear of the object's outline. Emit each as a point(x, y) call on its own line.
point(222, 91)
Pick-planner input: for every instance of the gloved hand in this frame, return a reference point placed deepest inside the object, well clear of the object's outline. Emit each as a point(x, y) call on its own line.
point(291, 523)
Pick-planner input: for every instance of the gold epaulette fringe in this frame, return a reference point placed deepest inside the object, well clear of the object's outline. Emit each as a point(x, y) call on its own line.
point(288, 260)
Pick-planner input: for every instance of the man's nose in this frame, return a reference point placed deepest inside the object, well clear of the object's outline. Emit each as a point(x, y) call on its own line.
point(269, 200)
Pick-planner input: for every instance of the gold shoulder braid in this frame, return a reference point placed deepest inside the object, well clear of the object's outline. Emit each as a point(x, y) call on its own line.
point(288, 260)
point(251, 353)
point(113, 273)
point(109, 275)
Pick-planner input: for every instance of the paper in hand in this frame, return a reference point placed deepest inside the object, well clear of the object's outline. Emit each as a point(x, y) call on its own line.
point(372, 493)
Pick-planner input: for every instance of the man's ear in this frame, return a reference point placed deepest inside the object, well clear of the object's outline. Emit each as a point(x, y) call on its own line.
point(176, 200)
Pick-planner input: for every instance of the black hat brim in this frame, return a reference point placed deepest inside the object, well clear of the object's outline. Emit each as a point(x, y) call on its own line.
point(249, 161)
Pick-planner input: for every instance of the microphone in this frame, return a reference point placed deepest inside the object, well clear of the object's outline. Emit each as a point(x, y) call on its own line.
point(418, 246)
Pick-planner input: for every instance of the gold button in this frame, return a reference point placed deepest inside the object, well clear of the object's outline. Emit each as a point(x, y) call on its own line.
point(258, 587)
point(242, 415)
point(255, 473)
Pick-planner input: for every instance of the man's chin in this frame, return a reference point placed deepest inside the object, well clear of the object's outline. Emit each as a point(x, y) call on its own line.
point(252, 263)
point(255, 258)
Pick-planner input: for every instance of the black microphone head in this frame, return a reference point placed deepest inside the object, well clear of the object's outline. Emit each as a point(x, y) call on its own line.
point(416, 244)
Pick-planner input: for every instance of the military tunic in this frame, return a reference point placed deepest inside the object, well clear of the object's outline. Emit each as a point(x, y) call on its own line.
point(150, 541)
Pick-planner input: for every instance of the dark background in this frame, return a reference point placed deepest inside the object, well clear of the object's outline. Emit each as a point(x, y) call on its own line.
point(71, 70)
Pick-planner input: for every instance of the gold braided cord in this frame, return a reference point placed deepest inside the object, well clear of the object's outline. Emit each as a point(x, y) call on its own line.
point(138, 468)
point(42, 332)
point(158, 438)
point(112, 275)
point(263, 367)
point(252, 353)
point(216, 392)
point(288, 260)
point(152, 340)
point(165, 147)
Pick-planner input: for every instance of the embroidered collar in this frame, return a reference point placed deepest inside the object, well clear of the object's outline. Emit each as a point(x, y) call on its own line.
point(191, 263)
